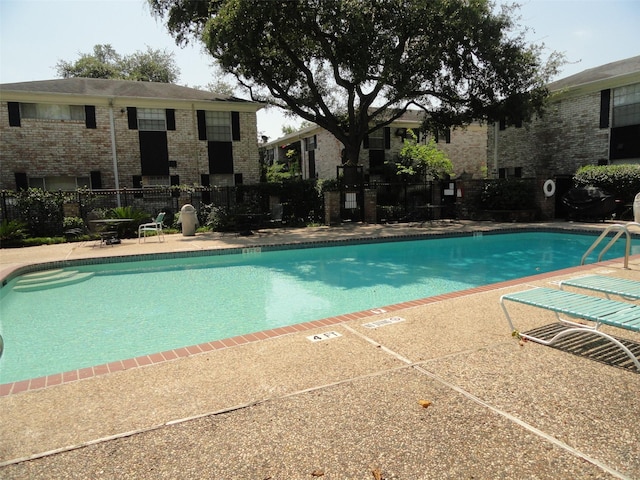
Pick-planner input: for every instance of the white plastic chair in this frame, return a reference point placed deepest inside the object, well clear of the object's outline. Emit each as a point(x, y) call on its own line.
point(155, 226)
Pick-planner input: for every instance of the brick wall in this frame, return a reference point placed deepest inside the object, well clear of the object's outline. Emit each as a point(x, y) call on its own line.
point(564, 139)
point(467, 151)
point(327, 155)
point(43, 148)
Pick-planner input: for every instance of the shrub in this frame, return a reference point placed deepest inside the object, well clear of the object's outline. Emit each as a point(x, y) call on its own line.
point(128, 230)
point(622, 181)
point(12, 230)
point(41, 211)
point(220, 219)
point(422, 160)
point(508, 194)
point(72, 223)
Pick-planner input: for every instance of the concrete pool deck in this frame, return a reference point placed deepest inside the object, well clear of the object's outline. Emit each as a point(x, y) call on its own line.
point(350, 406)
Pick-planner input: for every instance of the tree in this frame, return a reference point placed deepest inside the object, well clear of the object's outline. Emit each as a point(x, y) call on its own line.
point(105, 62)
point(354, 66)
point(422, 159)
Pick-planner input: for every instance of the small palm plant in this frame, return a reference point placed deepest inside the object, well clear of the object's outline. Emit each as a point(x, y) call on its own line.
point(12, 230)
point(128, 230)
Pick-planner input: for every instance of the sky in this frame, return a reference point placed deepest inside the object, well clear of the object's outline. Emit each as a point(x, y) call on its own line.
point(36, 34)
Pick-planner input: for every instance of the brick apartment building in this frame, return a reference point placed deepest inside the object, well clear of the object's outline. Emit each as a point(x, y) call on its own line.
point(81, 132)
point(593, 118)
point(320, 151)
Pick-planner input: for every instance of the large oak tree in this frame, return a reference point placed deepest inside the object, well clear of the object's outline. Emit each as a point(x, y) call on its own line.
point(353, 66)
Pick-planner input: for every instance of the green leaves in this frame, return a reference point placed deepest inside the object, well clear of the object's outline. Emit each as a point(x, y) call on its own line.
point(422, 160)
point(344, 64)
point(623, 181)
point(105, 62)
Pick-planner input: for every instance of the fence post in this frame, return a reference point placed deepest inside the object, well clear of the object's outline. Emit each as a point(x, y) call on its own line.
point(370, 205)
point(4, 205)
point(332, 207)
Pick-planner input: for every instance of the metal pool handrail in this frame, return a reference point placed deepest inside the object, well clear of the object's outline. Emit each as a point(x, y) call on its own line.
point(622, 228)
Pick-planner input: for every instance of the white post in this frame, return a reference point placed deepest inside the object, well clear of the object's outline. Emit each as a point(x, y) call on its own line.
point(114, 155)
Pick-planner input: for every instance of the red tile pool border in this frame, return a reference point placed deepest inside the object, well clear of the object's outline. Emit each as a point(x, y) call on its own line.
point(161, 357)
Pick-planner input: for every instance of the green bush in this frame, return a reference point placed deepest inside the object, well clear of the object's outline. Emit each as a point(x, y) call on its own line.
point(508, 194)
point(220, 219)
point(41, 211)
point(12, 230)
point(622, 181)
point(72, 223)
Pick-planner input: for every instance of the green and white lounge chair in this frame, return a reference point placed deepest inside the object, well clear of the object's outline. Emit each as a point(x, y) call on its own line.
point(627, 289)
point(601, 311)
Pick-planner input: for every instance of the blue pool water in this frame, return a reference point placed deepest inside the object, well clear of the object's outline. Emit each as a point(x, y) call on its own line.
point(131, 309)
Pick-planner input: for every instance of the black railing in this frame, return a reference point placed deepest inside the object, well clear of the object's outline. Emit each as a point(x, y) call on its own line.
point(303, 203)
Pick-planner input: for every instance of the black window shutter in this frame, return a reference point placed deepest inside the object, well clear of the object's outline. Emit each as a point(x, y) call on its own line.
point(90, 116)
point(132, 115)
point(137, 181)
point(96, 179)
point(376, 161)
point(312, 164)
point(171, 119)
point(154, 153)
point(503, 124)
point(202, 126)
point(235, 126)
point(447, 135)
point(22, 183)
point(387, 138)
point(237, 179)
point(220, 157)
point(205, 180)
point(605, 99)
point(14, 114)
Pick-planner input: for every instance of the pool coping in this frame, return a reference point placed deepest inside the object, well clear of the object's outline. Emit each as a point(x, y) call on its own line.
point(21, 386)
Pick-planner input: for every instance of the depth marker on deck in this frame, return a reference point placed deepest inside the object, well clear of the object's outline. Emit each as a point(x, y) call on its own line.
point(323, 336)
point(384, 322)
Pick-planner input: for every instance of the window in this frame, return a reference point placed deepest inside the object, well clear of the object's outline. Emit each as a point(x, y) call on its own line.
point(269, 156)
point(626, 105)
point(443, 134)
point(152, 119)
point(44, 111)
point(218, 126)
point(310, 143)
point(376, 140)
point(55, 183)
point(222, 180)
point(156, 181)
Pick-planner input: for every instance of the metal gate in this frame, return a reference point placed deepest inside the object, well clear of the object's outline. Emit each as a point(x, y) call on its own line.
point(351, 181)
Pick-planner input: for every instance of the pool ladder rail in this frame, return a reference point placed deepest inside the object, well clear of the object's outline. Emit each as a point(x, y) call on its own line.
point(622, 229)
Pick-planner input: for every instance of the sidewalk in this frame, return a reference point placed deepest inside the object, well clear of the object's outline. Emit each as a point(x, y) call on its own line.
point(349, 407)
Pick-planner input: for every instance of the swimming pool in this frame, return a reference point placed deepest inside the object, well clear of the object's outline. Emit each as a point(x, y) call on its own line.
point(124, 310)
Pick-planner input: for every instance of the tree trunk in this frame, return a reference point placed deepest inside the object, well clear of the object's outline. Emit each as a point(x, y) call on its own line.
point(351, 155)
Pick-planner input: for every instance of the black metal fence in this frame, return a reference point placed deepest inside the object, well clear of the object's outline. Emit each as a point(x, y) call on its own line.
point(44, 212)
point(302, 201)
